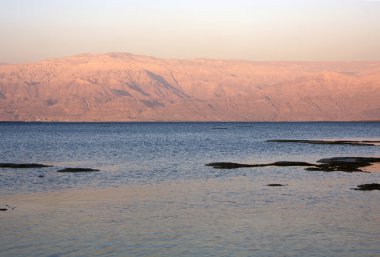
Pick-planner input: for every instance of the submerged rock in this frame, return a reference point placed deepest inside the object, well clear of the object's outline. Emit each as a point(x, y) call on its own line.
point(22, 165)
point(4, 207)
point(350, 160)
point(368, 187)
point(289, 164)
point(77, 170)
point(328, 142)
point(229, 165)
point(336, 167)
point(232, 165)
point(345, 164)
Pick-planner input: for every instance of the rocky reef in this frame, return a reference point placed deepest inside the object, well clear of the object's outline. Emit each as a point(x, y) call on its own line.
point(74, 170)
point(345, 164)
point(368, 187)
point(328, 142)
point(23, 165)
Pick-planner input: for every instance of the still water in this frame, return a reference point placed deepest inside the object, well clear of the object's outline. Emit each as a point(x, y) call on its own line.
point(154, 196)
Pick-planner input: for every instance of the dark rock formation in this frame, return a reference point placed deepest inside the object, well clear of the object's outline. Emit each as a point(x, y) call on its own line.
point(350, 160)
point(77, 170)
point(368, 187)
point(231, 165)
point(346, 164)
point(327, 142)
point(289, 164)
point(23, 165)
point(5, 207)
point(275, 185)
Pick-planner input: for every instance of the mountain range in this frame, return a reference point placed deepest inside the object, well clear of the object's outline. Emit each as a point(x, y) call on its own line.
point(127, 87)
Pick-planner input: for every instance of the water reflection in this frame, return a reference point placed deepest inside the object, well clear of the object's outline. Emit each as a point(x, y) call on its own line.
point(238, 216)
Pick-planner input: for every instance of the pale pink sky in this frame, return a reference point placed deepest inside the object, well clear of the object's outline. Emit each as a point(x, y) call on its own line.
point(305, 30)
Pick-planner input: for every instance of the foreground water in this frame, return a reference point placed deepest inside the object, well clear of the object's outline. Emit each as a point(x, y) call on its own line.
point(155, 197)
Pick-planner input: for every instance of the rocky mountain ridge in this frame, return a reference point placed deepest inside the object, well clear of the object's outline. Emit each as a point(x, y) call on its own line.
point(126, 87)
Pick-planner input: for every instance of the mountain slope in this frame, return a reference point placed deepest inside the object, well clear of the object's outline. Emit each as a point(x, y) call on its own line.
point(125, 87)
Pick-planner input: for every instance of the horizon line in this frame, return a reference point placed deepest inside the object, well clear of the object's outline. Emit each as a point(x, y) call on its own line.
point(94, 54)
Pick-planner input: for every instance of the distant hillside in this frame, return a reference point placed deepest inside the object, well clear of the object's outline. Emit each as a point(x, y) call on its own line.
point(126, 87)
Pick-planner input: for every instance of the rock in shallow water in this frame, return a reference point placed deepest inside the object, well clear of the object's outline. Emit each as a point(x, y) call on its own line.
point(368, 187)
point(289, 164)
point(5, 207)
point(345, 164)
point(328, 142)
point(23, 165)
point(229, 165)
point(73, 170)
point(232, 165)
point(350, 160)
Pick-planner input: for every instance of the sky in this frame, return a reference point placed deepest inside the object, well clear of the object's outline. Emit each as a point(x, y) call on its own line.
point(257, 30)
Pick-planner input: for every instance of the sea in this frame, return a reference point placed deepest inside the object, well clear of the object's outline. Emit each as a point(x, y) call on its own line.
point(155, 196)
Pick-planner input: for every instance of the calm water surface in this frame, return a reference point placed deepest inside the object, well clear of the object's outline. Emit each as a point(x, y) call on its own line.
point(155, 197)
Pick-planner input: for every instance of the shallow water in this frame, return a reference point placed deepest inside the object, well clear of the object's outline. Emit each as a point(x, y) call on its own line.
point(155, 197)
point(130, 153)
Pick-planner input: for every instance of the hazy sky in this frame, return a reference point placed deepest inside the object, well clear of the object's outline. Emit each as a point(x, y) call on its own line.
point(305, 30)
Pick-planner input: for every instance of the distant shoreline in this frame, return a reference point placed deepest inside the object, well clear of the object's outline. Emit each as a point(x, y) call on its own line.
point(355, 121)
